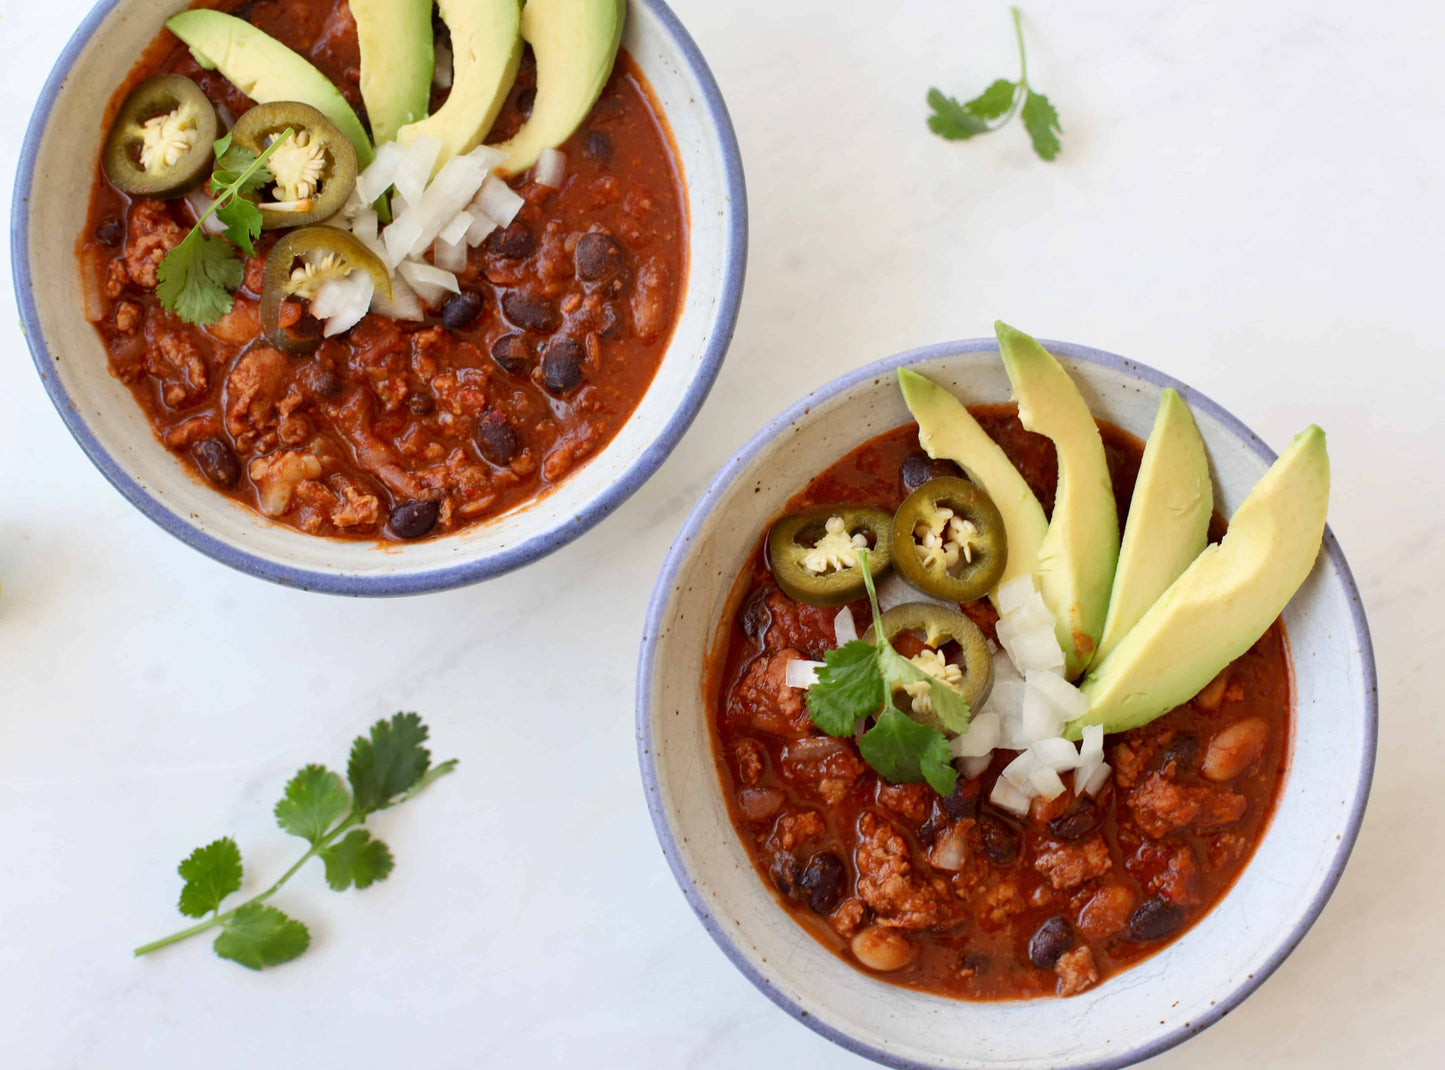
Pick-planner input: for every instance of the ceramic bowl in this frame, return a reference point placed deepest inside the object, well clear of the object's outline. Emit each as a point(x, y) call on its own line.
point(53, 186)
point(1136, 1014)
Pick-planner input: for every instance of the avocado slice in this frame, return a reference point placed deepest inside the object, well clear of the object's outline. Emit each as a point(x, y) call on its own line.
point(1076, 562)
point(266, 70)
point(946, 429)
point(397, 62)
point(1168, 524)
point(486, 49)
point(1224, 601)
point(575, 42)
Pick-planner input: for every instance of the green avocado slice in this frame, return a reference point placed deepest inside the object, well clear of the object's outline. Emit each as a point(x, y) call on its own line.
point(946, 429)
point(575, 42)
point(1224, 601)
point(266, 70)
point(397, 62)
point(1077, 557)
point(486, 50)
point(1168, 524)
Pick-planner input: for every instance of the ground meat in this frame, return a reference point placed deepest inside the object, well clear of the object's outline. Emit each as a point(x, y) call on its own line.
point(888, 882)
point(795, 827)
point(808, 629)
point(127, 317)
point(1107, 912)
point(153, 233)
point(1130, 761)
point(847, 919)
point(1161, 806)
point(187, 433)
point(254, 388)
point(276, 476)
point(1168, 869)
point(999, 903)
point(1076, 971)
point(749, 756)
point(355, 508)
point(1068, 865)
point(910, 800)
point(763, 699)
point(829, 778)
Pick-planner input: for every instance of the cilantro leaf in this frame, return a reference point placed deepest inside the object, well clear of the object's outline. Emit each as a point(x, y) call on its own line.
point(211, 873)
point(234, 165)
point(994, 101)
point(315, 799)
point(849, 688)
point(1042, 123)
point(243, 223)
point(356, 859)
point(388, 763)
point(952, 120)
point(196, 278)
point(949, 706)
point(904, 751)
point(258, 935)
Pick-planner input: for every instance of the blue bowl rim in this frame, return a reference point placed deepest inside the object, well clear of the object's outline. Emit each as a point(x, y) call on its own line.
point(444, 577)
point(667, 581)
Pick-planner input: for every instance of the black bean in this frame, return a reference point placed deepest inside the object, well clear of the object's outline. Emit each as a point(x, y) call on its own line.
point(1083, 819)
point(420, 404)
point(1154, 919)
point(823, 879)
point(784, 872)
point(414, 518)
point(496, 439)
point(598, 146)
point(1000, 842)
point(1049, 942)
point(531, 313)
point(513, 353)
point(975, 963)
point(963, 800)
point(326, 383)
point(525, 99)
point(919, 468)
point(1184, 752)
point(562, 365)
point(515, 241)
point(599, 257)
point(110, 231)
point(756, 615)
point(217, 462)
point(459, 310)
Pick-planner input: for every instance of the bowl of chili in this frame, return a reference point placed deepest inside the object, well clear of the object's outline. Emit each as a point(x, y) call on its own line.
point(760, 837)
point(597, 323)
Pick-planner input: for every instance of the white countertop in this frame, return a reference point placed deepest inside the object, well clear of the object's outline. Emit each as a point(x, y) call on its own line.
point(1248, 198)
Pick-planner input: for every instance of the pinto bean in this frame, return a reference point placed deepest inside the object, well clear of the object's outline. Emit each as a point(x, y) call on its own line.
point(883, 949)
point(759, 804)
point(1209, 699)
point(1234, 749)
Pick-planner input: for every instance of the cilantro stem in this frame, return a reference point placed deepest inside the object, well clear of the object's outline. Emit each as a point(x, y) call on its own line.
point(1023, 54)
point(355, 817)
point(872, 599)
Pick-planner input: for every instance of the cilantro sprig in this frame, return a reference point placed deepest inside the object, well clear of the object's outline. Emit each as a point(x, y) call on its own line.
point(197, 277)
point(388, 766)
point(857, 682)
point(996, 106)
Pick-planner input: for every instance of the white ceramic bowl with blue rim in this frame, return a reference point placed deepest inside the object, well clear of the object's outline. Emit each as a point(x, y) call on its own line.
point(52, 190)
point(1136, 1014)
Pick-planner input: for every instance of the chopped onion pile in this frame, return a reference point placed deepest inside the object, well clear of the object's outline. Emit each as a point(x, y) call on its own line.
point(844, 628)
point(551, 168)
point(896, 591)
point(1026, 628)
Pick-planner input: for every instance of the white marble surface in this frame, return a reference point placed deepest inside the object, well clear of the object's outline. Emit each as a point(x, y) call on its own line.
point(1248, 198)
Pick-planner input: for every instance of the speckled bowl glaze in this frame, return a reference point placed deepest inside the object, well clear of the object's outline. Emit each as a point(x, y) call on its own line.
point(1139, 1013)
point(48, 212)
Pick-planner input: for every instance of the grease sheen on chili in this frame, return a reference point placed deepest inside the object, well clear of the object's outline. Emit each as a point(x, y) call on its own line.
point(996, 907)
point(563, 319)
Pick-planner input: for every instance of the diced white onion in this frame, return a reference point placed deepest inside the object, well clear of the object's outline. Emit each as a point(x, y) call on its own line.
point(801, 674)
point(380, 173)
point(950, 849)
point(365, 225)
point(1097, 779)
point(457, 229)
point(972, 767)
point(1018, 771)
point(1046, 782)
point(342, 302)
point(448, 256)
point(844, 628)
point(441, 72)
point(404, 303)
point(430, 283)
point(489, 156)
point(416, 165)
point(1039, 720)
point(1091, 756)
point(1007, 796)
point(983, 735)
point(1036, 650)
point(449, 193)
point(551, 168)
point(480, 228)
point(1066, 699)
point(498, 201)
point(1056, 753)
point(398, 239)
point(1014, 593)
point(200, 204)
point(896, 591)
